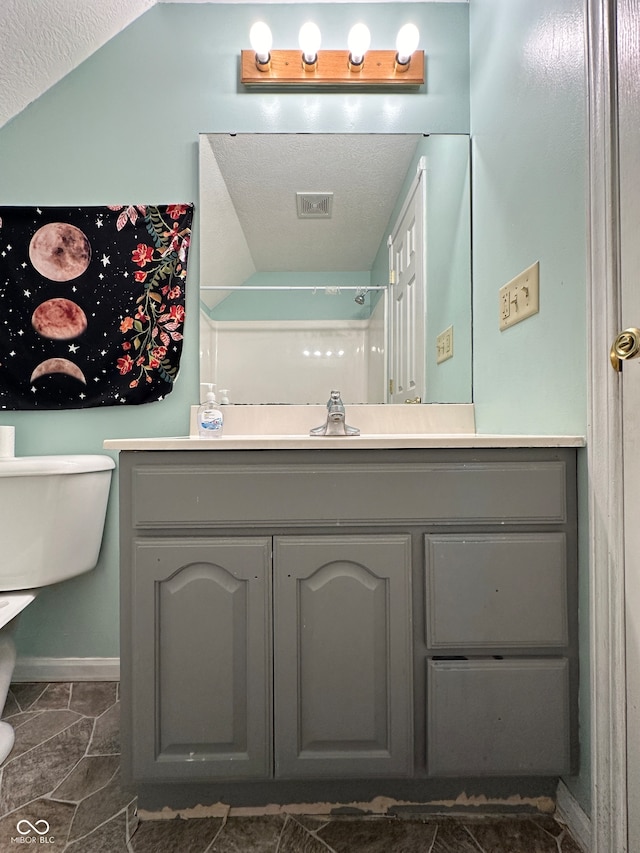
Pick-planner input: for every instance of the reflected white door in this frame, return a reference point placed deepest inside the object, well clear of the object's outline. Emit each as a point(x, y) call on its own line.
point(407, 259)
point(628, 37)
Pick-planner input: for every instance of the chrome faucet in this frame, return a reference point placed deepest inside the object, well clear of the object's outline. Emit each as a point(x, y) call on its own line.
point(335, 423)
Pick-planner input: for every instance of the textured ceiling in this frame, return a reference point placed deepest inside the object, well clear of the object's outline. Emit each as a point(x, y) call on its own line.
point(42, 40)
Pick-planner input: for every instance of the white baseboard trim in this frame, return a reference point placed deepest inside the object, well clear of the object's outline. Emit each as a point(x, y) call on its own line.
point(66, 669)
point(570, 813)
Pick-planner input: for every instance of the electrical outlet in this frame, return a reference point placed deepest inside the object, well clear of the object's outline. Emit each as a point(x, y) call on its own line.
point(520, 298)
point(444, 345)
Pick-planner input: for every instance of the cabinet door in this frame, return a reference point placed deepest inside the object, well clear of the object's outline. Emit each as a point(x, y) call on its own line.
point(202, 666)
point(342, 656)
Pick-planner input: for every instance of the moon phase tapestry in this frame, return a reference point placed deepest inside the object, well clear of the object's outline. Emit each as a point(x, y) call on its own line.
point(92, 304)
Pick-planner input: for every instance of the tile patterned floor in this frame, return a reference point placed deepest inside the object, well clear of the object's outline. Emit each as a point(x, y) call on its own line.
point(63, 773)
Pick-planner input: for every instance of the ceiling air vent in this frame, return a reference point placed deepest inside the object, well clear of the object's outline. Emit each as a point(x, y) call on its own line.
point(314, 205)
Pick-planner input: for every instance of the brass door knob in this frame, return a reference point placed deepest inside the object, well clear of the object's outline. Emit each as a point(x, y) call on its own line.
point(414, 400)
point(625, 346)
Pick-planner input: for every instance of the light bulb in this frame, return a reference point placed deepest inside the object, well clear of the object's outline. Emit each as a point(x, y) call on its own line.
point(406, 42)
point(261, 41)
point(358, 42)
point(309, 39)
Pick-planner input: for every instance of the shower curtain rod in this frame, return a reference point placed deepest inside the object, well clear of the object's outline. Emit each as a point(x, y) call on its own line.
point(328, 288)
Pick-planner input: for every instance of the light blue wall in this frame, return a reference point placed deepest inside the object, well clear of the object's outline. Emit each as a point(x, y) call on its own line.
point(529, 156)
point(124, 127)
point(449, 266)
point(528, 108)
point(448, 248)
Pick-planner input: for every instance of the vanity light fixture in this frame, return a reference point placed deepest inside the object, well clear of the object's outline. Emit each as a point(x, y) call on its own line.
point(406, 44)
point(311, 67)
point(309, 39)
point(358, 42)
point(261, 40)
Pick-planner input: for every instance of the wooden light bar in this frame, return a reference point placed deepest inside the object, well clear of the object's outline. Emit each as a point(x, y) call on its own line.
point(332, 69)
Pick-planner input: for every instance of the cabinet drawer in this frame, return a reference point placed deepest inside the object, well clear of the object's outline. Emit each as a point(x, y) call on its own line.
point(493, 590)
point(217, 494)
point(498, 717)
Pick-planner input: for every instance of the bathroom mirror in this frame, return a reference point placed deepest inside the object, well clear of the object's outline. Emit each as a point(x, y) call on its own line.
point(294, 264)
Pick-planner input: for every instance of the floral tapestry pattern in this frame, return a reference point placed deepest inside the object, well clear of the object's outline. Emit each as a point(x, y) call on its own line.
point(93, 300)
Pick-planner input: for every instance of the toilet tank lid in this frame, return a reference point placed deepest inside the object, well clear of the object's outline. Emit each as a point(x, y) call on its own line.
point(31, 466)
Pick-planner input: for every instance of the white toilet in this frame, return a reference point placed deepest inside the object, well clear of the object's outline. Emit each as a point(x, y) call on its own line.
point(52, 512)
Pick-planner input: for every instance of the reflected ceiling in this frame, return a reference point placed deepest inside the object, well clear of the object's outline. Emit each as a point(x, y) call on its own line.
point(263, 173)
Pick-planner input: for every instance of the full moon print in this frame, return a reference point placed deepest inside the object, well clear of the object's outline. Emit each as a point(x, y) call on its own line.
point(60, 251)
point(92, 304)
point(59, 319)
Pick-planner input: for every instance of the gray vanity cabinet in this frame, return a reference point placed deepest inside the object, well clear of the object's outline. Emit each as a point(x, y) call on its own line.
point(338, 625)
point(343, 650)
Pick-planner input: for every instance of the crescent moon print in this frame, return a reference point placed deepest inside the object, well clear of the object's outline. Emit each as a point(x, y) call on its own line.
point(58, 365)
point(92, 304)
point(60, 251)
point(59, 319)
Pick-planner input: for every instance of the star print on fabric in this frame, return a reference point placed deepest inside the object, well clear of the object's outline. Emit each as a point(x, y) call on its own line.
point(93, 304)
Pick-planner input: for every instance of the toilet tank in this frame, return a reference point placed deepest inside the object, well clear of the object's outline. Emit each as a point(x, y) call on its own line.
point(52, 513)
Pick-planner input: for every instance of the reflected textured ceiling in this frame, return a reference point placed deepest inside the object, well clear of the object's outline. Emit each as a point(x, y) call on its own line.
point(263, 173)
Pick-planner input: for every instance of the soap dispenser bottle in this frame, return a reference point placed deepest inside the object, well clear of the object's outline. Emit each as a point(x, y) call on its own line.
point(210, 418)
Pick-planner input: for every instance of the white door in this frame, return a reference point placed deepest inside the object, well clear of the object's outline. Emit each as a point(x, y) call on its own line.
point(628, 38)
point(407, 275)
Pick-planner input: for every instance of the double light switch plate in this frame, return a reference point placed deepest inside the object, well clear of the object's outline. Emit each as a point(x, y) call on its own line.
point(519, 298)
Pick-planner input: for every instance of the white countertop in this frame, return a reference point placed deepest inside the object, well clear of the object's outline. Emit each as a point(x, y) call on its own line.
point(351, 442)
